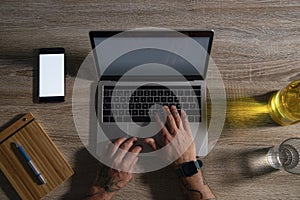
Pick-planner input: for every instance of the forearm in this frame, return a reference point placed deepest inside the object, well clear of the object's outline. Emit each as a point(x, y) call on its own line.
point(98, 193)
point(196, 188)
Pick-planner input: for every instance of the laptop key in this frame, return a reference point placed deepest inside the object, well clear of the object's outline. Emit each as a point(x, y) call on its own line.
point(126, 93)
point(141, 119)
point(192, 106)
point(121, 112)
point(139, 93)
point(193, 112)
point(141, 112)
point(127, 119)
point(183, 99)
point(147, 112)
point(106, 99)
point(123, 99)
point(178, 106)
point(185, 106)
point(106, 106)
point(145, 106)
point(106, 119)
point(138, 106)
point(150, 99)
point(170, 99)
point(114, 112)
point(153, 93)
point(197, 92)
point(106, 112)
point(146, 93)
point(167, 93)
point(106, 93)
point(119, 119)
point(111, 119)
point(134, 112)
point(119, 93)
point(191, 119)
point(116, 99)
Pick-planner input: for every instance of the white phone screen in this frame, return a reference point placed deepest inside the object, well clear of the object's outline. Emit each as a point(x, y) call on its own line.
point(51, 75)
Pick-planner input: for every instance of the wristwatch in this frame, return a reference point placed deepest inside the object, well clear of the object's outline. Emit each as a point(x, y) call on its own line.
point(189, 168)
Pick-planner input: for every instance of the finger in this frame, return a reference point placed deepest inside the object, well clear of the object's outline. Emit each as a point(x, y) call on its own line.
point(164, 131)
point(185, 121)
point(116, 144)
point(124, 148)
point(176, 116)
point(136, 150)
point(128, 143)
point(170, 121)
point(119, 141)
point(129, 158)
point(132, 154)
point(159, 121)
point(167, 136)
point(151, 142)
point(132, 165)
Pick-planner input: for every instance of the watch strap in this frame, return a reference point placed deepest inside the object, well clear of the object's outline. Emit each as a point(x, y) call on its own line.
point(180, 171)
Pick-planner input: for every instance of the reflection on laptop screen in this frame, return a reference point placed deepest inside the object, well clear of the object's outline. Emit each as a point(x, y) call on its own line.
point(146, 54)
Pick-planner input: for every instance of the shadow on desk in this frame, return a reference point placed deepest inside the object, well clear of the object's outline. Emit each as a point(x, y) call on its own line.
point(85, 172)
point(249, 112)
point(7, 188)
point(243, 165)
point(5, 184)
point(163, 184)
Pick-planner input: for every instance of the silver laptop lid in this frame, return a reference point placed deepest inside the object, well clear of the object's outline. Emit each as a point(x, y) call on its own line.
point(151, 54)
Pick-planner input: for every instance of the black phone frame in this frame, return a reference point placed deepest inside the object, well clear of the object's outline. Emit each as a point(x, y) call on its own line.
point(56, 50)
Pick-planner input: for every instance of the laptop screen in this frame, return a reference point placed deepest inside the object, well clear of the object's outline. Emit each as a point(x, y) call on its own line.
point(158, 54)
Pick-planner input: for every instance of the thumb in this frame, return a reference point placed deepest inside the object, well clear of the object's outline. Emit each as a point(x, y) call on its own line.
point(151, 142)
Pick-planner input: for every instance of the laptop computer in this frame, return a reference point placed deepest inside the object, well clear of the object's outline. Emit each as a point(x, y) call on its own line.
point(141, 71)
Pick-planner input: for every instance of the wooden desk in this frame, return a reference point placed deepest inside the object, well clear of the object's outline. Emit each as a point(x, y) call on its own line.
point(256, 48)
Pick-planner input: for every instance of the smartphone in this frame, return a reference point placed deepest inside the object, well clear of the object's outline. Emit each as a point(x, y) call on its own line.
point(51, 75)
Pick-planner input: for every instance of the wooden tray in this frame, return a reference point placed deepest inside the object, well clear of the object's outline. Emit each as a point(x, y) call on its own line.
point(42, 151)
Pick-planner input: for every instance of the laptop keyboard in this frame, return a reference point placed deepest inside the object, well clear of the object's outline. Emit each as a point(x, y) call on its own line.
point(129, 104)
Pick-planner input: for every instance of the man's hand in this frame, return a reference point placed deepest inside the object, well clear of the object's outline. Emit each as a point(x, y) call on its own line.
point(177, 134)
point(109, 180)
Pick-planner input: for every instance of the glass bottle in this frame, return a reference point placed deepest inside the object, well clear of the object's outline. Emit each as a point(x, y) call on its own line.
point(284, 106)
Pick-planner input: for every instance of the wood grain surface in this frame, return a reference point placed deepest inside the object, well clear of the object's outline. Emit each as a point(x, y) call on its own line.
point(42, 152)
point(256, 49)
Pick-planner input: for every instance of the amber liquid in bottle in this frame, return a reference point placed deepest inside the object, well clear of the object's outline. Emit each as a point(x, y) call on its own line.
point(284, 106)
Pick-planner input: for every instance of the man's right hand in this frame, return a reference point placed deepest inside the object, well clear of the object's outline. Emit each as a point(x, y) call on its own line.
point(176, 133)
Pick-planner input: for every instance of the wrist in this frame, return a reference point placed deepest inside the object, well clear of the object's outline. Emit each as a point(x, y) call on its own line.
point(197, 176)
point(188, 169)
point(181, 161)
point(97, 192)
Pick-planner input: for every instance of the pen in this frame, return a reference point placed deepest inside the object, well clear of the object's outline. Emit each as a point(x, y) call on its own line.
point(31, 164)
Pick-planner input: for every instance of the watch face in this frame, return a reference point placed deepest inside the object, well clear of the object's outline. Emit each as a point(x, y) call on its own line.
point(189, 169)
